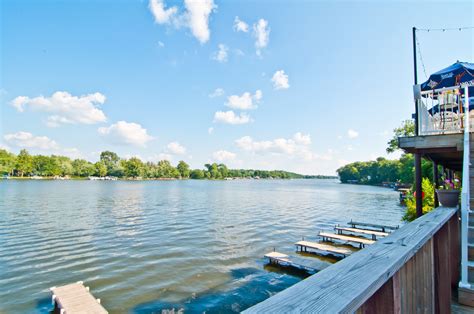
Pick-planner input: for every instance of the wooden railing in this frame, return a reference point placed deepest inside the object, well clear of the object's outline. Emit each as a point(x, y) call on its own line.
point(411, 271)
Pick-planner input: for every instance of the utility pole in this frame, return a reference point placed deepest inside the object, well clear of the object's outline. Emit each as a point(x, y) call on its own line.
point(418, 188)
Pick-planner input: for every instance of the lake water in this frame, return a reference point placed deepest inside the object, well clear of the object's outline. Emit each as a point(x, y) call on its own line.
point(147, 246)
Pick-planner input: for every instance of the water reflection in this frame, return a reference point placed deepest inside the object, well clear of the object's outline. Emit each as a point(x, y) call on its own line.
point(146, 246)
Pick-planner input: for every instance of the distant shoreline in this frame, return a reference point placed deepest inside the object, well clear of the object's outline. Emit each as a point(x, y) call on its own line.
point(156, 179)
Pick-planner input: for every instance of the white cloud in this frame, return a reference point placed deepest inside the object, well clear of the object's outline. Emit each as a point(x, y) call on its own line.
point(240, 26)
point(217, 93)
point(210, 130)
point(352, 133)
point(223, 155)
point(245, 101)
point(195, 17)
point(221, 54)
point(280, 80)
point(28, 140)
point(126, 133)
point(304, 139)
point(175, 148)
point(161, 44)
point(162, 15)
point(261, 33)
point(65, 108)
point(295, 146)
point(229, 117)
point(198, 12)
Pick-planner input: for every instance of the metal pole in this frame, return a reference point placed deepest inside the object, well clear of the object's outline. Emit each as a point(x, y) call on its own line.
point(436, 183)
point(418, 187)
point(465, 197)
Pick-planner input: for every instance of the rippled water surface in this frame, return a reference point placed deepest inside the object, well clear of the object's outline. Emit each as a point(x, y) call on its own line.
point(147, 246)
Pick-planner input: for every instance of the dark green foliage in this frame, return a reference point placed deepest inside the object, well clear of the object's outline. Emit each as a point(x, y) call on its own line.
point(384, 170)
point(110, 164)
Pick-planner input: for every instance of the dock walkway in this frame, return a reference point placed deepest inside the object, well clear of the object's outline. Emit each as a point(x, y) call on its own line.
point(384, 228)
point(374, 234)
point(307, 264)
point(76, 298)
point(331, 236)
point(325, 248)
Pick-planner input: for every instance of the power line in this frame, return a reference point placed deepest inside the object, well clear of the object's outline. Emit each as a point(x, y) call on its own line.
point(444, 29)
point(435, 30)
point(421, 57)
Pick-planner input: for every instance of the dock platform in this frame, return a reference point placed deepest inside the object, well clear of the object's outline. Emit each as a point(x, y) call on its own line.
point(374, 234)
point(331, 236)
point(75, 298)
point(310, 265)
point(384, 228)
point(323, 248)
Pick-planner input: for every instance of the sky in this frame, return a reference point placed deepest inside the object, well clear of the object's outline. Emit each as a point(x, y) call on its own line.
point(304, 86)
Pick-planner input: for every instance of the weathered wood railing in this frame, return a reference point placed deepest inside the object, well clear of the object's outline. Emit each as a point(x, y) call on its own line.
point(411, 271)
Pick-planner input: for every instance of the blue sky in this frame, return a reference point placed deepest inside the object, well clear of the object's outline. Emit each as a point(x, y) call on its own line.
point(304, 86)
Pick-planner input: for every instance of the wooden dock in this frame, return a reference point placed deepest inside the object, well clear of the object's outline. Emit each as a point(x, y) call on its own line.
point(331, 236)
point(323, 248)
point(384, 228)
point(75, 298)
point(310, 265)
point(374, 234)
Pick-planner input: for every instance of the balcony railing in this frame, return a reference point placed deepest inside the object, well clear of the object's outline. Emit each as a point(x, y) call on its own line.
point(442, 112)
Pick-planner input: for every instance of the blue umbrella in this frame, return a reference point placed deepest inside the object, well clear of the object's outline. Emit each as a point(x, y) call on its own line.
point(454, 75)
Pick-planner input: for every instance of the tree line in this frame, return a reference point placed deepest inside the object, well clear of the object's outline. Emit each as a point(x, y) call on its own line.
point(110, 164)
point(383, 170)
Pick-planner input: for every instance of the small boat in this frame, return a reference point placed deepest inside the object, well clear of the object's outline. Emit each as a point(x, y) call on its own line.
point(403, 195)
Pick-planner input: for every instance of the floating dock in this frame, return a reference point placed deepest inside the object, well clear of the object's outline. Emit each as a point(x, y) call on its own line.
point(374, 234)
point(323, 248)
point(75, 298)
point(331, 236)
point(384, 228)
point(309, 265)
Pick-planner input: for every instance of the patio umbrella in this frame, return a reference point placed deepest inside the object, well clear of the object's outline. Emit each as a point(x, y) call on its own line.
point(454, 75)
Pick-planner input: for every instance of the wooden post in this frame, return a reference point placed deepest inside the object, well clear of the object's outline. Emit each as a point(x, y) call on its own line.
point(436, 183)
point(442, 270)
point(418, 187)
point(384, 300)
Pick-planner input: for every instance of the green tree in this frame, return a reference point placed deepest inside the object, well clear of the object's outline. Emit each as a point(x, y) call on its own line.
point(223, 170)
point(24, 163)
point(214, 171)
point(82, 168)
point(111, 161)
point(64, 164)
point(134, 168)
point(100, 169)
point(406, 129)
point(183, 169)
point(45, 166)
point(7, 162)
point(197, 174)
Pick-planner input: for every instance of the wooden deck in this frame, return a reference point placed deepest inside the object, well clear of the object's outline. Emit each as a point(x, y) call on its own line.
point(384, 228)
point(310, 265)
point(374, 234)
point(410, 271)
point(76, 298)
point(325, 248)
point(332, 236)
